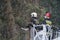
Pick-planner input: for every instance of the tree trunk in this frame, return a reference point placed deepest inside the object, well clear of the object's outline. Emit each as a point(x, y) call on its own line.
point(12, 32)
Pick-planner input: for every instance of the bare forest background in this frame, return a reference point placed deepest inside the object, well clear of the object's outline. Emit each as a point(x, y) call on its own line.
point(15, 14)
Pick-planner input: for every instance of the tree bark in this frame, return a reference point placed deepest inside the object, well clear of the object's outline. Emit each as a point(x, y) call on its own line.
point(12, 32)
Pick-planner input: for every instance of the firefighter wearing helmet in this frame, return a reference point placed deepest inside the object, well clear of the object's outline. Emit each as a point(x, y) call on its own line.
point(47, 18)
point(34, 18)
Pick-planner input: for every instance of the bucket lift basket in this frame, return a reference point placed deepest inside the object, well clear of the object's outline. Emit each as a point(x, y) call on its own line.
point(41, 32)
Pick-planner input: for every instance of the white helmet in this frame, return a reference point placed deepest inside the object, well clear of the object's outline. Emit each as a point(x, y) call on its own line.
point(34, 14)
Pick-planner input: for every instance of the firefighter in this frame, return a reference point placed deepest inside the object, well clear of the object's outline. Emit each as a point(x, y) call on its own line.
point(47, 18)
point(34, 18)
